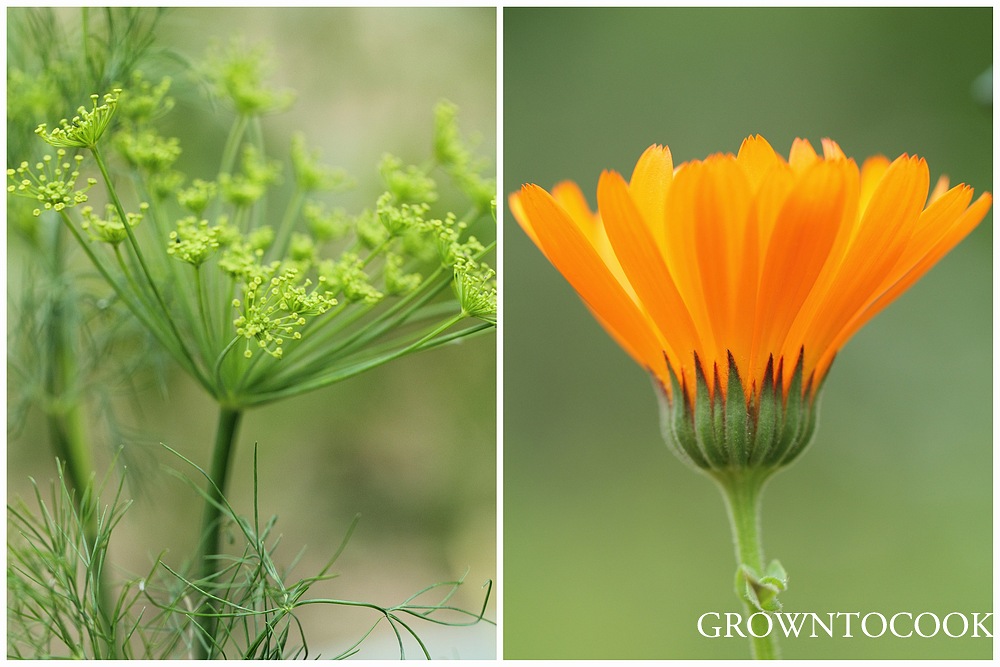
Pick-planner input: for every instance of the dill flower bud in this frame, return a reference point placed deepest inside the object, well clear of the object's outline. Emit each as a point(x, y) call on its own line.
point(198, 196)
point(51, 182)
point(302, 249)
point(409, 184)
point(146, 149)
point(238, 74)
point(109, 229)
point(482, 191)
point(476, 290)
point(275, 306)
point(310, 175)
point(246, 188)
point(163, 184)
point(397, 220)
point(347, 276)
point(397, 281)
point(193, 241)
point(371, 233)
point(326, 226)
point(448, 148)
point(261, 238)
point(240, 259)
point(86, 128)
point(143, 102)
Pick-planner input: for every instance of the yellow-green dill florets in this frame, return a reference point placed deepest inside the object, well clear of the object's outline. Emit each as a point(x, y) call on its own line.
point(275, 306)
point(238, 74)
point(370, 232)
point(482, 191)
point(310, 175)
point(397, 220)
point(398, 281)
point(143, 102)
point(407, 185)
point(261, 238)
point(86, 128)
point(445, 235)
point(476, 290)
point(241, 260)
point(109, 229)
point(246, 188)
point(448, 147)
point(164, 183)
point(51, 182)
point(148, 150)
point(326, 226)
point(193, 241)
point(347, 276)
point(302, 250)
point(198, 196)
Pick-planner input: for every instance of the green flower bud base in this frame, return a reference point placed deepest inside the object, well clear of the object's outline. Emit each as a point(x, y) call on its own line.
point(740, 443)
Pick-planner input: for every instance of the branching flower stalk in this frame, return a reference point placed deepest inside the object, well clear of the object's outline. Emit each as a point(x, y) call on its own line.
point(256, 314)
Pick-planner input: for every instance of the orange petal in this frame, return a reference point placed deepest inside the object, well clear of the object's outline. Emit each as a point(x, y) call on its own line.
point(832, 151)
point(725, 238)
point(643, 265)
point(881, 237)
point(802, 155)
point(804, 232)
point(872, 171)
point(945, 224)
point(574, 256)
point(758, 159)
point(651, 179)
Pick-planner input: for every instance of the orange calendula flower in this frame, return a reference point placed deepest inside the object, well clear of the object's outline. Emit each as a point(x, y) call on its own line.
point(739, 277)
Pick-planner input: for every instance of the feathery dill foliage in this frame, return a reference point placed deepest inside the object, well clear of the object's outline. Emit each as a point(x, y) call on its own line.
point(56, 610)
point(255, 307)
point(62, 322)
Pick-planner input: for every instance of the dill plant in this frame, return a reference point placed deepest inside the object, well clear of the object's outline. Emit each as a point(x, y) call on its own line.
point(254, 309)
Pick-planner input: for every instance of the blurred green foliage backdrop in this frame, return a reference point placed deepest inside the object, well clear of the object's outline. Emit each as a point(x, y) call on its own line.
point(612, 548)
point(410, 446)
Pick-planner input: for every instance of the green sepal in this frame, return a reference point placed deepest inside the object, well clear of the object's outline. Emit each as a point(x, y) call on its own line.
point(761, 592)
point(737, 431)
point(676, 424)
point(792, 413)
point(718, 431)
point(768, 417)
point(704, 421)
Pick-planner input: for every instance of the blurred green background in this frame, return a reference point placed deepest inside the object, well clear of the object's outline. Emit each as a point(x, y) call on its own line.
point(410, 446)
point(612, 548)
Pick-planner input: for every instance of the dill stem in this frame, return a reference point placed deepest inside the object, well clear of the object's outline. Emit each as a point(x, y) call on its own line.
point(287, 223)
point(66, 420)
point(211, 523)
point(134, 243)
point(232, 144)
point(203, 312)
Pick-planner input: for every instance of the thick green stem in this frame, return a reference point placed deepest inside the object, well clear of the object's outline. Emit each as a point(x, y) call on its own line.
point(741, 489)
point(211, 523)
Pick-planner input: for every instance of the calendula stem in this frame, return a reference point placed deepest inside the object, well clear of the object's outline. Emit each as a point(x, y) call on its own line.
point(211, 523)
point(741, 490)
